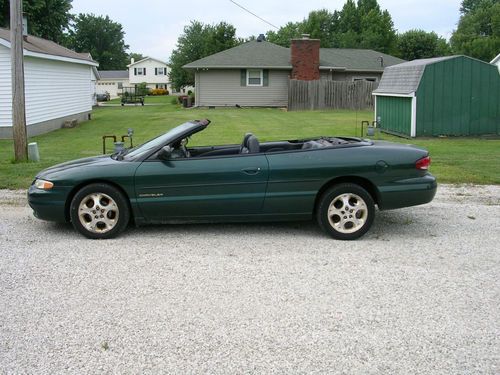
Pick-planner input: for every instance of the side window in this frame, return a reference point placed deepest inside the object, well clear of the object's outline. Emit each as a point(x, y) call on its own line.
point(254, 77)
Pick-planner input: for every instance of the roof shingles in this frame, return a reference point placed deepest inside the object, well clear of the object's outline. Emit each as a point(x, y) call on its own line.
point(47, 47)
point(404, 78)
point(264, 54)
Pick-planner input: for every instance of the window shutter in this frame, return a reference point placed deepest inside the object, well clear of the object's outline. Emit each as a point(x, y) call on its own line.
point(156, 72)
point(144, 71)
point(165, 71)
point(243, 77)
point(265, 77)
point(135, 71)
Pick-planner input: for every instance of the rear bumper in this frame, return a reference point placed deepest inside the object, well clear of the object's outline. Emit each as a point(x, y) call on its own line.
point(48, 204)
point(409, 192)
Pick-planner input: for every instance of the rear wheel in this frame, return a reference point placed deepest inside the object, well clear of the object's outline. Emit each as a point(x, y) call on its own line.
point(346, 211)
point(99, 211)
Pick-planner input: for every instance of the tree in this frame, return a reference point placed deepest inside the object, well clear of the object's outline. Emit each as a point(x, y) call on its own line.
point(377, 31)
point(47, 19)
point(197, 41)
point(135, 56)
point(419, 44)
point(478, 31)
point(468, 6)
point(357, 25)
point(365, 25)
point(319, 24)
point(100, 36)
point(285, 34)
point(323, 25)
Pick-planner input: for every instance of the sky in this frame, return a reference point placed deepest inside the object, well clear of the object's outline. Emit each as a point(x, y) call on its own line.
point(153, 26)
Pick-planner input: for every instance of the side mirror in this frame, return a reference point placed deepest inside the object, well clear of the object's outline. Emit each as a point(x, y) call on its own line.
point(165, 152)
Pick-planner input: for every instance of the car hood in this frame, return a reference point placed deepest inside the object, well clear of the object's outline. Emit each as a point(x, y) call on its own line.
point(79, 163)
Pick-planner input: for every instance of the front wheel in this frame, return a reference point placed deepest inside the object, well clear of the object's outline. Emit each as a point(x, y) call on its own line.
point(346, 211)
point(99, 211)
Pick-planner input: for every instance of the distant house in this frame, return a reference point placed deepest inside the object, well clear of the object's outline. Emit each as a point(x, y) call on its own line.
point(59, 85)
point(150, 70)
point(256, 73)
point(112, 82)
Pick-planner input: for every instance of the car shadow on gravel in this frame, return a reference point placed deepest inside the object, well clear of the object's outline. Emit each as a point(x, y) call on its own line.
point(387, 224)
point(301, 228)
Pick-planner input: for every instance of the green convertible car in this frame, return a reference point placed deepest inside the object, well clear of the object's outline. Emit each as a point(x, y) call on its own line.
point(337, 180)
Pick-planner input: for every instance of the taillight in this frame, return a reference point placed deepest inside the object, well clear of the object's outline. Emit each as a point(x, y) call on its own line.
point(423, 163)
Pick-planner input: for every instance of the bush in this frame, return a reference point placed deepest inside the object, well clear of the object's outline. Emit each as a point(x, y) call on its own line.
point(159, 92)
point(142, 89)
point(189, 92)
point(174, 100)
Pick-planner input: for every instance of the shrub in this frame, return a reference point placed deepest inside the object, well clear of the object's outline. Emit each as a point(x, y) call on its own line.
point(189, 92)
point(142, 89)
point(174, 100)
point(159, 92)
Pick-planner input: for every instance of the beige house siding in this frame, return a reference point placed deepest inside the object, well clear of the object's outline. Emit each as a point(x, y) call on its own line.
point(222, 87)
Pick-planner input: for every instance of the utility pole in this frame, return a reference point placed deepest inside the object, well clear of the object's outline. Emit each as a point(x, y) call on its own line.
point(17, 68)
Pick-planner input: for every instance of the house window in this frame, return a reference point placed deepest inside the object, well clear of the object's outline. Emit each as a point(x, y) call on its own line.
point(254, 77)
point(161, 71)
point(161, 86)
point(120, 85)
point(369, 79)
point(140, 71)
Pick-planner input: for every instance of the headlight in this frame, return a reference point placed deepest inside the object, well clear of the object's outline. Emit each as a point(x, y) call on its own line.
point(43, 184)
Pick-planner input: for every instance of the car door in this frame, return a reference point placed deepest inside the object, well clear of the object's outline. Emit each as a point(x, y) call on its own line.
point(201, 188)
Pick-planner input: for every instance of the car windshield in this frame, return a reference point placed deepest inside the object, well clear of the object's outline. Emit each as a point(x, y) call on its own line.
point(155, 143)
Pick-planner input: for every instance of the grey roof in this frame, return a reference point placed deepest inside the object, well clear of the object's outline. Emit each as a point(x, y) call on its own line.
point(251, 54)
point(47, 47)
point(113, 74)
point(356, 59)
point(264, 54)
point(404, 78)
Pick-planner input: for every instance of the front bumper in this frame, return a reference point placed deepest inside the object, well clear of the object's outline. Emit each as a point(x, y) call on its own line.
point(48, 204)
point(406, 193)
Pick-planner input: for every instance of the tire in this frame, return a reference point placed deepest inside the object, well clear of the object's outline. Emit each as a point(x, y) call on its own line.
point(99, 211)
point(345, 211)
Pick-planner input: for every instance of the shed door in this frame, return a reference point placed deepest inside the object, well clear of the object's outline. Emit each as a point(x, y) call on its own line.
point(395, 114)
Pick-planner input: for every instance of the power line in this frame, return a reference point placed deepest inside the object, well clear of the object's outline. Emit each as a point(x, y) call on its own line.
point(253, 14)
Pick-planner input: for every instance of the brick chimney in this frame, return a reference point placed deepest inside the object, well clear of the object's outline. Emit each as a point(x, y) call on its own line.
point(305, 58)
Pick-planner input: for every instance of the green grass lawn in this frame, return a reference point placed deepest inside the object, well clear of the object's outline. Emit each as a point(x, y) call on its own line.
point(455, 160)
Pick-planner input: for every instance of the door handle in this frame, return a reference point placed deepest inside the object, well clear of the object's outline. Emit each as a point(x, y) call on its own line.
point(251, 170)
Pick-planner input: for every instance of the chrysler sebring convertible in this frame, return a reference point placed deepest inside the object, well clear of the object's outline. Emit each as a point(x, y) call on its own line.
point(336, 180)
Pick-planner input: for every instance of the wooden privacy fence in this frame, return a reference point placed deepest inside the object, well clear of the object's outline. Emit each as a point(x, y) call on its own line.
point(322, 94)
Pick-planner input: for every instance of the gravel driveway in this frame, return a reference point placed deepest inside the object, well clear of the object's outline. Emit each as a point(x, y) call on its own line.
point(420, 294)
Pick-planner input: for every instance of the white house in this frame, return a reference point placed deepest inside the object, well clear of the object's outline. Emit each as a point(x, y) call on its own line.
point(112, 82)
point(59, 85)
point(152, 71)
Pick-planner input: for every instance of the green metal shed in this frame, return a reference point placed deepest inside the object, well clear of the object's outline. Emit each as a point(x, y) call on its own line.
point(453, 95)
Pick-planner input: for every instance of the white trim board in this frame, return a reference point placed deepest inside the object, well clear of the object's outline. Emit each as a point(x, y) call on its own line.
point(410, 95)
